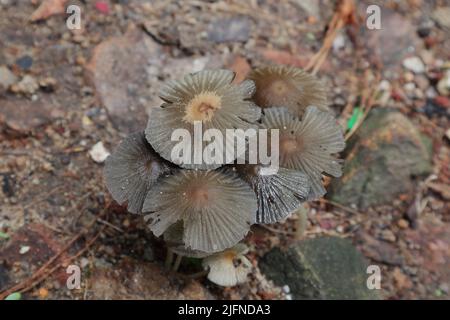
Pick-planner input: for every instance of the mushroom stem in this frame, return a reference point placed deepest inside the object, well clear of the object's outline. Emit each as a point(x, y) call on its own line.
point(169, 258)
point(177, 263)
point(301, 222)
point(198, 274)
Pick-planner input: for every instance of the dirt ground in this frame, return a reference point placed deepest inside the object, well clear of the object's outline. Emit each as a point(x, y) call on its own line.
point(63, 91)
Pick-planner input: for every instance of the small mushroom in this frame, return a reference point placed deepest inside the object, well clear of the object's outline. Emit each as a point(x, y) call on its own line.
point(216, 208)
point(308, 145)
point(278, 194)
point(207, 97)
point(289, 87)
point(230, 267)
point(132, 170)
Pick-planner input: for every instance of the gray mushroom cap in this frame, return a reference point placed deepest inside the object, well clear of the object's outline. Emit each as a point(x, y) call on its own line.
point(207, 97)
point(132, 169)
point(309, 145)
point(216, 208)
point(278, 194)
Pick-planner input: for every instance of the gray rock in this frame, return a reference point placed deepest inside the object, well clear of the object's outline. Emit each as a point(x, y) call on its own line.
point(393, 41)
point(230, 30)
point(384, 158)
point(321, 268)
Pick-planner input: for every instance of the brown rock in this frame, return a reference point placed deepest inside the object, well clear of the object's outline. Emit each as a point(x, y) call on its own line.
point(48, 8)
point(239, 65)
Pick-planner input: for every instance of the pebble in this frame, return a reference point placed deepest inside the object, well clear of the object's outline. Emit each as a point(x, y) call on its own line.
point(408, 76)
point(24, 249)
point(388, 235)
point(414, 64)
point(442, 16)
point(24, 62)
point(98, 152)
point(403, 224)
point(443, 85)
point(422, 82)
point(7, 78)
point(28, 85)
point(286, 289)
point(409, 87)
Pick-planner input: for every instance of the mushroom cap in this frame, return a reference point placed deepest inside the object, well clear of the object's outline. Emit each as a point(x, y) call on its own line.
point(308, 145)
point(132, 169)
point(207, 97)
point(173, 237)
point(288, 86)
point(216, 208)
point(278, 194)
point(230, 267)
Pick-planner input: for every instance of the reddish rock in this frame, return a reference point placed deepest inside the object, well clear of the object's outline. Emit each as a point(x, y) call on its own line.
point(21, 116)
point(239, 65)
point(117, 70)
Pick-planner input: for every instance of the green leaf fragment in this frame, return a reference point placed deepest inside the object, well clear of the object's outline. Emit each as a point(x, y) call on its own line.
point(356, 115)
point(14, 296)
point(3, 235)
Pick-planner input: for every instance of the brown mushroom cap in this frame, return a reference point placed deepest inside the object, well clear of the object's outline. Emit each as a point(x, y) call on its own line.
point(132, 170)
point(289, 87)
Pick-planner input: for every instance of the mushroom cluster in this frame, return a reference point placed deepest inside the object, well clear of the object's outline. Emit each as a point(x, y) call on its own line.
point(205, 209)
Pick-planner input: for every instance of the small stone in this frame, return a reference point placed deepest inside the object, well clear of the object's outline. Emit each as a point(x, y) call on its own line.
point(126, 223)
point(24, 249)
point(388, 235)
point(24, 62)
point(339, 43)
point(431, 93)
point(408, 76)
point(99, 153)
point(286, 289)
point(43, 293)
point(409, 87)
point(447, 134)
point(84, 262)
point(229, 30)
point(414, 64)
point(7, 78)
point(422, 82)
point(403, 224)
point(443, 85)
point(28, 85)
point(442, 16)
